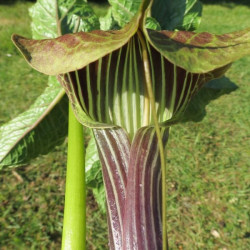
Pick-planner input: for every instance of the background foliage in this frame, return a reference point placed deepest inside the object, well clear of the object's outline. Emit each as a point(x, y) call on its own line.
point(208, 161)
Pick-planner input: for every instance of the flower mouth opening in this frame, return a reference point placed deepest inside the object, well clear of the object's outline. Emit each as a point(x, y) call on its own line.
point(112, 89)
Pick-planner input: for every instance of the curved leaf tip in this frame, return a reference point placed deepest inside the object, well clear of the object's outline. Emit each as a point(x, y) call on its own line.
point(200, 52)
point(73, 51)
point(18, 41)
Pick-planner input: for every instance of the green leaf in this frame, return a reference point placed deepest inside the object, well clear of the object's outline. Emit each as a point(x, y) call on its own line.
point(43, 15)
point(108, 22)
point(44, 125)
point(46, 15)
point(36, 131)
point(79, 16)
point(124, 10)
point(91, 164)
point(100, 197)
point(200, 52)
point(152, 24)
point(192, 18)
point(93, 175)
point(178, 14)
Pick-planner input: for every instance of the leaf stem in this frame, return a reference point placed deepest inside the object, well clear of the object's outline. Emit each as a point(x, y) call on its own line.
point(74, 224)
point(148, 82)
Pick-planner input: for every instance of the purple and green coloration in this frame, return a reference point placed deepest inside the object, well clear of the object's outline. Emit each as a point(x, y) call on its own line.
point(104, 74)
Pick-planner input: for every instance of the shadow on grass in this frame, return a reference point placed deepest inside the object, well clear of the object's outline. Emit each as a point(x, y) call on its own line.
point(226, 2)
point(196, 109)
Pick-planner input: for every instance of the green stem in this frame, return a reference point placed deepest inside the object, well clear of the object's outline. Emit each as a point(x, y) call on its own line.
point(74, 224)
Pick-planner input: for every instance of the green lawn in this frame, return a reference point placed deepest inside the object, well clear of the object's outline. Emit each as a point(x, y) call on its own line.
point(208, 161)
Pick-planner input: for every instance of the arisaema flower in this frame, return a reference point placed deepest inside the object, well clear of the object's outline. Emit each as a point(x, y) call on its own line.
point(124, 84)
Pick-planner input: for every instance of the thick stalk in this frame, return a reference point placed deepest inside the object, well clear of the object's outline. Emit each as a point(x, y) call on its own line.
point(132, 178)
point(114, 147)
point(74, 224)
point(142, 229)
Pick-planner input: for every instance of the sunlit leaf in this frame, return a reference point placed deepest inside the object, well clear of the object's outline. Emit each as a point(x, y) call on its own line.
point(36, 131)
point(124, 10)
point(108, 22)
point(46, 15)
point(43, 15)
point(152, 24)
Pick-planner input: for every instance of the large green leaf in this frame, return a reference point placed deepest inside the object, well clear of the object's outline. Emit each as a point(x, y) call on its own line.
point(37, 130)
point(43, 15)
point(50, 16)
point(177, 14)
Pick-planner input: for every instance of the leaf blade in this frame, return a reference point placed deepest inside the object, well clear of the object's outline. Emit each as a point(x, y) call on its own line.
point(19, 138)
point(46, 15)
point(178, 14)
point(79, 16)
point(124, 11)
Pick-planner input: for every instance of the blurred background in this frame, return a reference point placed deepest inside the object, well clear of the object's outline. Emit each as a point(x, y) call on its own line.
point(208, 157)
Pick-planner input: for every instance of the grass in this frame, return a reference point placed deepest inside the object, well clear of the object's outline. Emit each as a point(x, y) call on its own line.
point(208, 161)
point(19, 84)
